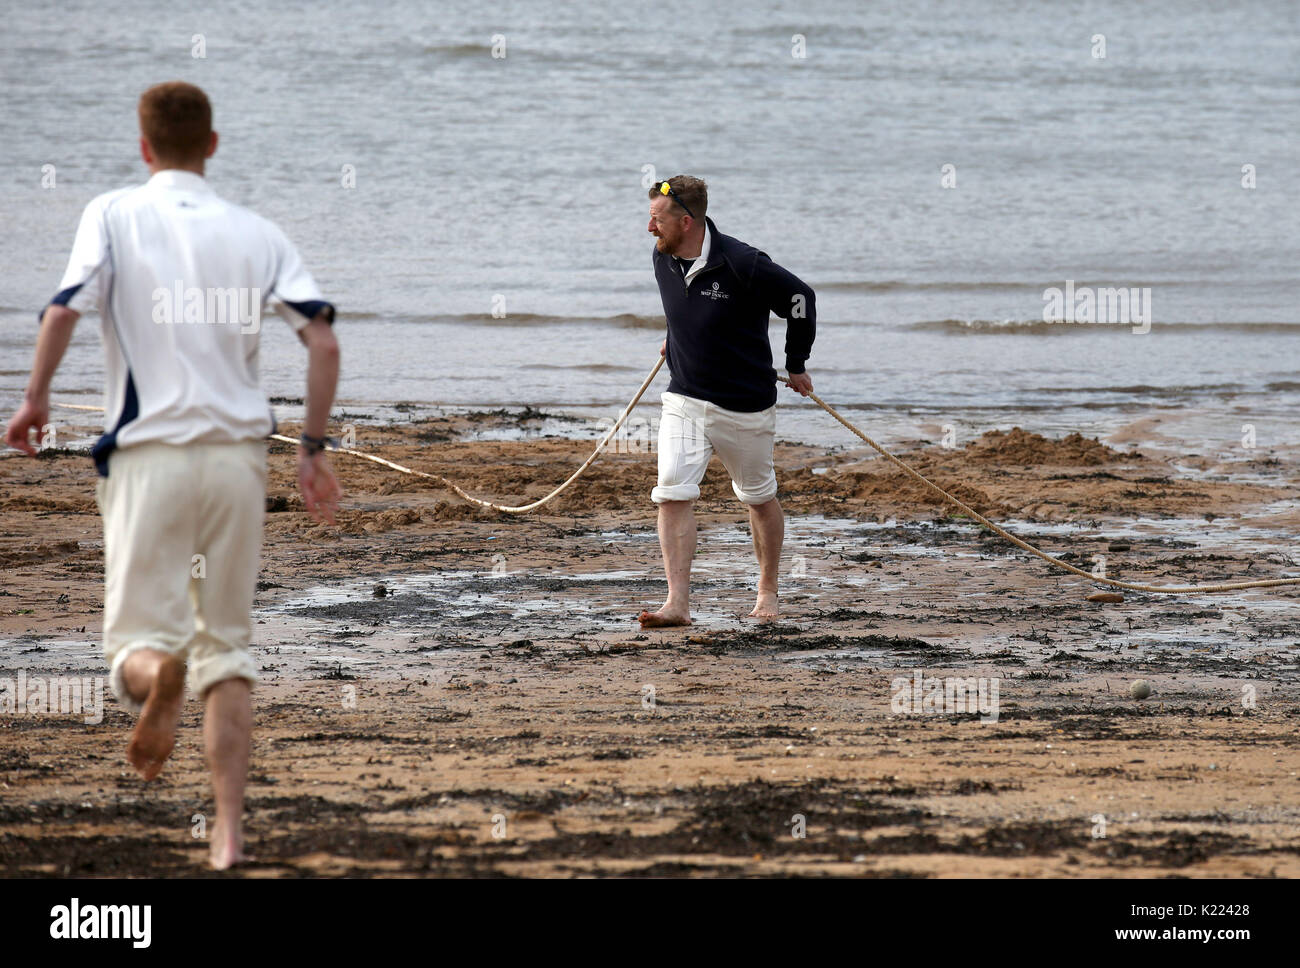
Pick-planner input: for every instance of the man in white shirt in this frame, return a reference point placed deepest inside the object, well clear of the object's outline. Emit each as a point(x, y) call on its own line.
point(180, 278)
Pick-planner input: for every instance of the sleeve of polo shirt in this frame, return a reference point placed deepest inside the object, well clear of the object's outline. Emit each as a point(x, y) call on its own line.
point(294, 292)
point(90, 270)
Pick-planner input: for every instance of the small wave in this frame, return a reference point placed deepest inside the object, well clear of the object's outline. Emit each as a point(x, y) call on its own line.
point(483, 51)
point(987, 326)
point(625, 320)
point(632, 321)
point(899, 286)
point(1017, 326)
point(584, 367)
point(458, 50)
point(1149, 390)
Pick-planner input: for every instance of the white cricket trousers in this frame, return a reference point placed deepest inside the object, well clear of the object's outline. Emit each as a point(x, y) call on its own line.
point(182, 544)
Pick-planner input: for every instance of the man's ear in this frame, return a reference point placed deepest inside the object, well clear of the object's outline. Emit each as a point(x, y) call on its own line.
point(212, 146)
point(146, 152)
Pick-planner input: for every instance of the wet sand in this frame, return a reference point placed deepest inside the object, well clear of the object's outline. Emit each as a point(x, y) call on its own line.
point(452, 691)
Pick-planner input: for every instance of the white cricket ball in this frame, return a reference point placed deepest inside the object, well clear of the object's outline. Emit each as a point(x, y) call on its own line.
point(1140, 689)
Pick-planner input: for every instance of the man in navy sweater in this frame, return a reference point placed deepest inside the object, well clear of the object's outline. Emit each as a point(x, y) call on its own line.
point(718, 293)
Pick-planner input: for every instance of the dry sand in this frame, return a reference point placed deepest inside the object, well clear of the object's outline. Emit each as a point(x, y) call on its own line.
point(498, 711)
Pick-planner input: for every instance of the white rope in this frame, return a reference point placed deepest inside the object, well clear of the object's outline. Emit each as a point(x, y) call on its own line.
point(1111, 582)
point(604, 441)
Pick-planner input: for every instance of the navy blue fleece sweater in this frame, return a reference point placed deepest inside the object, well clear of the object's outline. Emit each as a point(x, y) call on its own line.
point(718, 348)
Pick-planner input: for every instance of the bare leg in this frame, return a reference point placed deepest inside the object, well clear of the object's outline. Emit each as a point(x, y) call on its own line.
point(677, 541)
point(157, 679)
point(768, 526)
point(227, 728)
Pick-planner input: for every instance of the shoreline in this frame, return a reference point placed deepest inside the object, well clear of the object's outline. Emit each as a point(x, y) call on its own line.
point(521, 692)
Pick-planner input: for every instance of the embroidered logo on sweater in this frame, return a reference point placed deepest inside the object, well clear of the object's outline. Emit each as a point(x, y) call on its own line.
point(715, 293)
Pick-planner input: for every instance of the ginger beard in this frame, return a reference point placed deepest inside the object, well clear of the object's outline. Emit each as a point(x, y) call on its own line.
point(667, 227)
point(666, 243)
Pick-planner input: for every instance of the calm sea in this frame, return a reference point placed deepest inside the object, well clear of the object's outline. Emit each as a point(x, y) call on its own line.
point(519, 179)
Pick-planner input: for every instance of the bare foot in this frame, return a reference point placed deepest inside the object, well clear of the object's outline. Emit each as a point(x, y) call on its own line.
point(766, 608)
point(665, 618)
point(228, 852)
point(155, 733)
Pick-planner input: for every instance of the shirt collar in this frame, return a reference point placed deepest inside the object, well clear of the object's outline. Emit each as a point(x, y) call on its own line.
point(704, 248)
point(702, 259)
point(179, 178)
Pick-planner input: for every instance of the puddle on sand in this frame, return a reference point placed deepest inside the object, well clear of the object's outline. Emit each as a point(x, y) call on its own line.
point(1222, 535)
point(421, 613)
point(828, 558)
point(73, 656)
point(470, 597)
point(827, 561)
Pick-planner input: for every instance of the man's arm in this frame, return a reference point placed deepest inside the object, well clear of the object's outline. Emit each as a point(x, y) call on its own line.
point(320, 489)
point(300, 302)
point(86, 279)
point(322, 374)
point(56, 332)
point(793, 300)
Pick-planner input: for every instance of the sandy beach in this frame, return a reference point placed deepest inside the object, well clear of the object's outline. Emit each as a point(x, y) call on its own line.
point(448, 691)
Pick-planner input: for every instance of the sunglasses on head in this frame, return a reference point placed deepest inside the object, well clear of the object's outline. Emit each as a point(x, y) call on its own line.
point(667, 189)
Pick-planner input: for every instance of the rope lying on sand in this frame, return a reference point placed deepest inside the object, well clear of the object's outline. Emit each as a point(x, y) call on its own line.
point(508, 509)
point(1113, 583)
point(975, 515)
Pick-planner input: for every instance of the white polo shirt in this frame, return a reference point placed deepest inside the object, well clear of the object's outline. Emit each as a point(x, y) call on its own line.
point(181, 278)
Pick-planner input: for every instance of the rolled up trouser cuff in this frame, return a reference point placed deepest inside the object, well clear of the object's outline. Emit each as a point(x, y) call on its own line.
point(117, 675)
point(208, 670)
point(756, 497)
point(675, 492)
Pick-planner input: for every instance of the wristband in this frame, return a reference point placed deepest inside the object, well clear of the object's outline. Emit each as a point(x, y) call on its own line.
point(314, 445)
